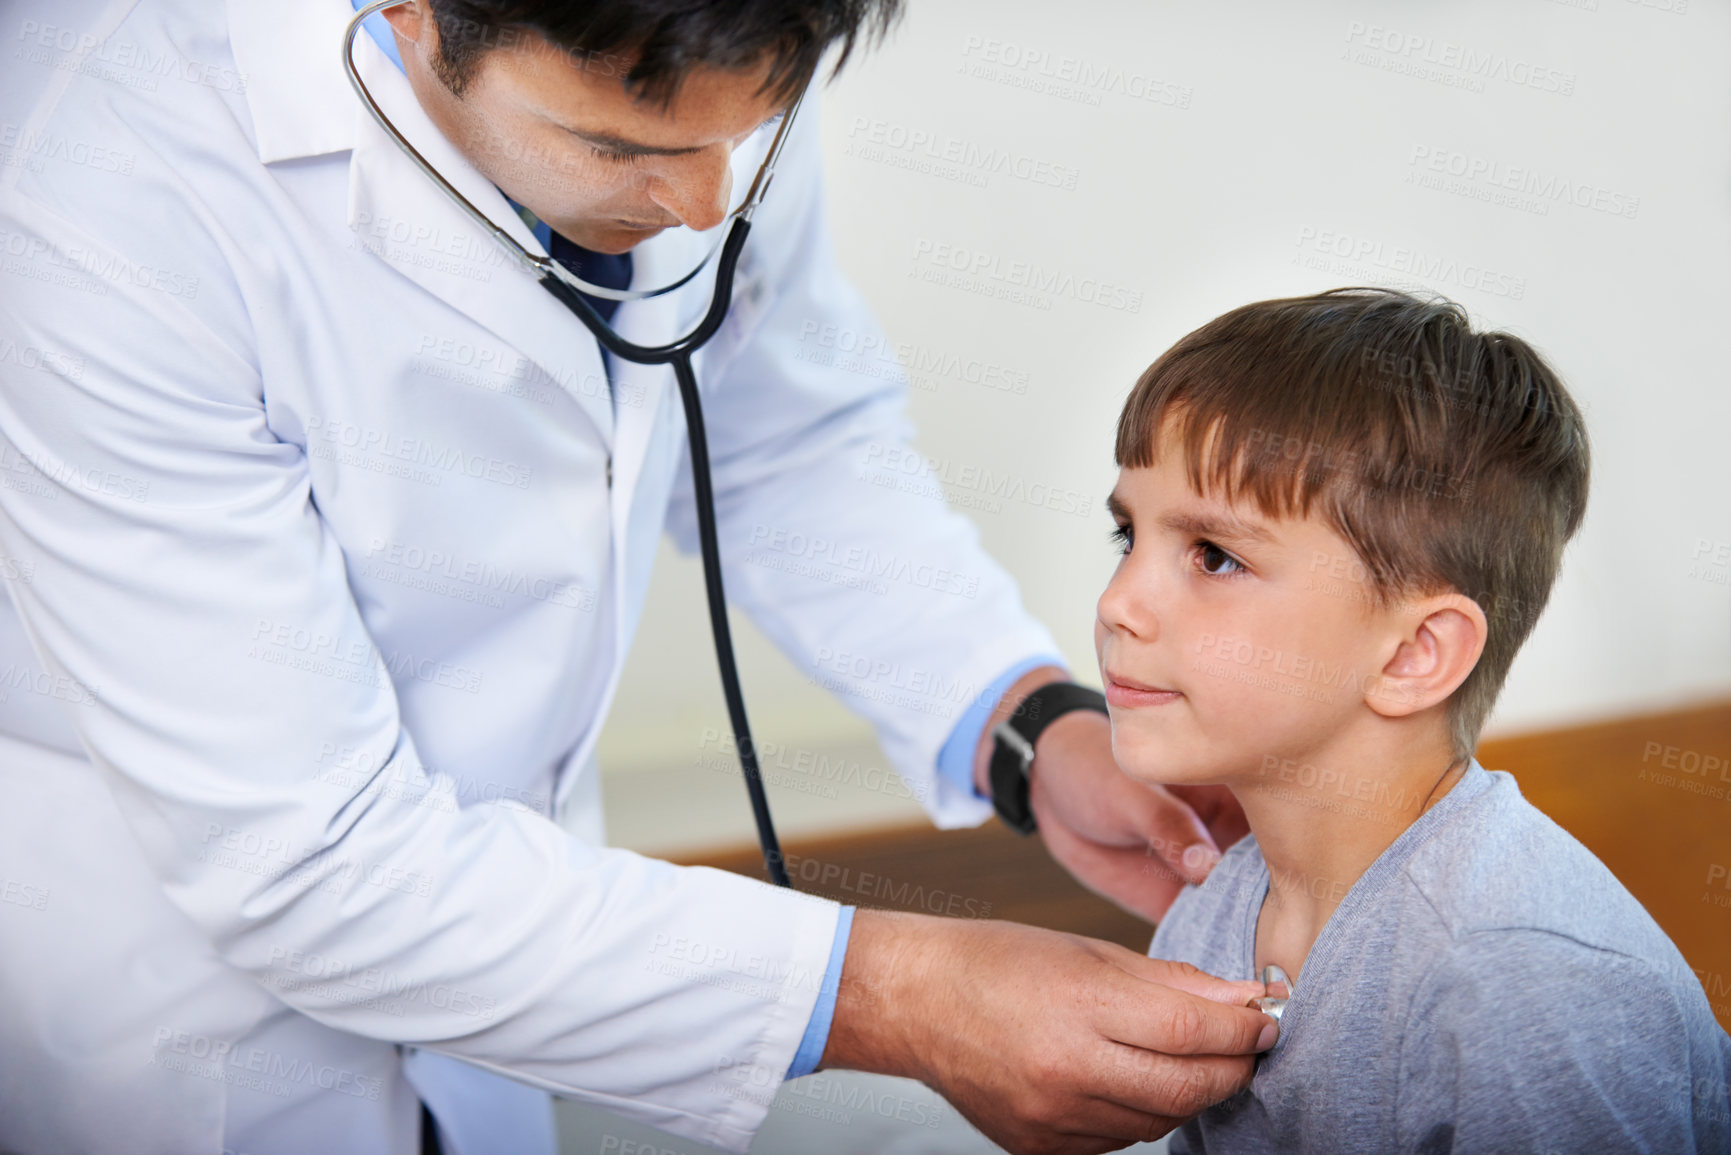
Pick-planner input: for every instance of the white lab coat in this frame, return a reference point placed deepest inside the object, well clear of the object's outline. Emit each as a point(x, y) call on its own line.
point(324, 547)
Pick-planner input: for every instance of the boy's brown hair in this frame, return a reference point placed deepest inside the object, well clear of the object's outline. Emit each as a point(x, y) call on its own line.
point(1447, 458)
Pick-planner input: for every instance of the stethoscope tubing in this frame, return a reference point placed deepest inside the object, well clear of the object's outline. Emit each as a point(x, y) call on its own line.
point(678, 354)
point(570, 291)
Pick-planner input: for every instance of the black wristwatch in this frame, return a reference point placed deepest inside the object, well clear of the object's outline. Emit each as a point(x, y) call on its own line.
point(1013, 742)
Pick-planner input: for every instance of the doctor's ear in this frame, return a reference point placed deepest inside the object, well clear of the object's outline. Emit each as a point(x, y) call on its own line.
point(1438, 642)
point(412, 21)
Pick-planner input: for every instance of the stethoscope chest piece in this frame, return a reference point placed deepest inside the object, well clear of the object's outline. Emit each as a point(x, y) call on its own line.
point(1279, 988)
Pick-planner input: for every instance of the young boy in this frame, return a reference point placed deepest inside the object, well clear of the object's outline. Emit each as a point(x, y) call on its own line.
point(1340, 516)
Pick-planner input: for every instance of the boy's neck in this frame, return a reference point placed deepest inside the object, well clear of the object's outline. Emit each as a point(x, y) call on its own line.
point(1320, 822)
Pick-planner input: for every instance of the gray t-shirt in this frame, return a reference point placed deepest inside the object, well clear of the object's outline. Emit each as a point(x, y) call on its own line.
point(1486, 986)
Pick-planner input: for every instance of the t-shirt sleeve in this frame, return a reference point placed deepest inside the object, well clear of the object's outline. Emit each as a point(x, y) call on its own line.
point(1528, 1041)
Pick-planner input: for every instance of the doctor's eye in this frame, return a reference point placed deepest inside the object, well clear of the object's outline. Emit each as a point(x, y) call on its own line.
point(1122, 537)
point(611, 157)
point(1216, 562)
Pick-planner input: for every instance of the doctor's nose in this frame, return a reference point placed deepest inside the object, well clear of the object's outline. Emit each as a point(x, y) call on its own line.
point(698, 193)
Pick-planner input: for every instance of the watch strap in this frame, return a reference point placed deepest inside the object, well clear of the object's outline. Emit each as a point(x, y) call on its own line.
point(1013, 742)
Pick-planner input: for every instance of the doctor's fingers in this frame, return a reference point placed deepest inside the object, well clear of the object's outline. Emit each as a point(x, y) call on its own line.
point(1147, 1014)
point(1089, 1125)
point(1185, 977)
point(1177, 835)
point(1098, 1126)
point(1143, 1088)
point(1180, 976)
point(1105, 1122)
point(1218, 808)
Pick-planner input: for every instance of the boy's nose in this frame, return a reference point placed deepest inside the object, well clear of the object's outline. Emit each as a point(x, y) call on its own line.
point(1125, 608)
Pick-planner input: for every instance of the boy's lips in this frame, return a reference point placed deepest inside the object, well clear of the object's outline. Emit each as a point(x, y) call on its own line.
point(1123, 691)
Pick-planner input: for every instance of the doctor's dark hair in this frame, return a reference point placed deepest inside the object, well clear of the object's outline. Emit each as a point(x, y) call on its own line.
point(651, 44)
point(1448, 458)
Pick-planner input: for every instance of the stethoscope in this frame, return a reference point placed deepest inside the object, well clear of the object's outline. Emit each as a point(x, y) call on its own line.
point(1278, 990)
point(570, 290)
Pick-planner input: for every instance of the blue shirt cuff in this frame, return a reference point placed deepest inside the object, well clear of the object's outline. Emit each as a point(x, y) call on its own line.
point(816, 1038)
point(956, 759)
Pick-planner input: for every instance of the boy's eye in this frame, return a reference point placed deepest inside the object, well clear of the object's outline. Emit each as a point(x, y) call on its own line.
point(1215, 561)
point(1123, 536)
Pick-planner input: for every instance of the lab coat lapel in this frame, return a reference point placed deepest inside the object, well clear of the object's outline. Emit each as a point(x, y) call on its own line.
point(642, 391)
point(398, 213)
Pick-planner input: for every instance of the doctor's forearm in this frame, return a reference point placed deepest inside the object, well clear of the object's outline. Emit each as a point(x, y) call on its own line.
point(880, 978)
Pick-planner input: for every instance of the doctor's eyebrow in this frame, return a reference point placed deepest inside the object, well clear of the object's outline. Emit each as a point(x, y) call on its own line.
point(607, 142)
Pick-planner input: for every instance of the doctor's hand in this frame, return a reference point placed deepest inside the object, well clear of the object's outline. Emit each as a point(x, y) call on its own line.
point(1127, 841)
point(1049, 1043)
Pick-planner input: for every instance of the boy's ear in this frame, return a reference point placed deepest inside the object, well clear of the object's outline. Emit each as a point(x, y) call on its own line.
point(1440, 639)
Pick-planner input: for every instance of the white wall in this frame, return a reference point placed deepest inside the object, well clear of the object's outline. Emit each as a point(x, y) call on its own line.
point(1222, 151)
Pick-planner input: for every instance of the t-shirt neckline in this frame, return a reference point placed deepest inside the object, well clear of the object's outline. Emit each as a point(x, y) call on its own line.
point(1475, 780)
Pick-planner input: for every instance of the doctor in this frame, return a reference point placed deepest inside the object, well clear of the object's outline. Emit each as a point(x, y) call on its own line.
point(326, 532)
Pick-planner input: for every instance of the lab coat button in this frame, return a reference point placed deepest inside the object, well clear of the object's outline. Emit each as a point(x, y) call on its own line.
point(609, 473)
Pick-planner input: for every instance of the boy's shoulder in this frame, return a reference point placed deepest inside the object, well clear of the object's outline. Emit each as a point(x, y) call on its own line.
point(1486, 985)
point(1500, 868)
point(1547, 981)
point(1495, 869)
